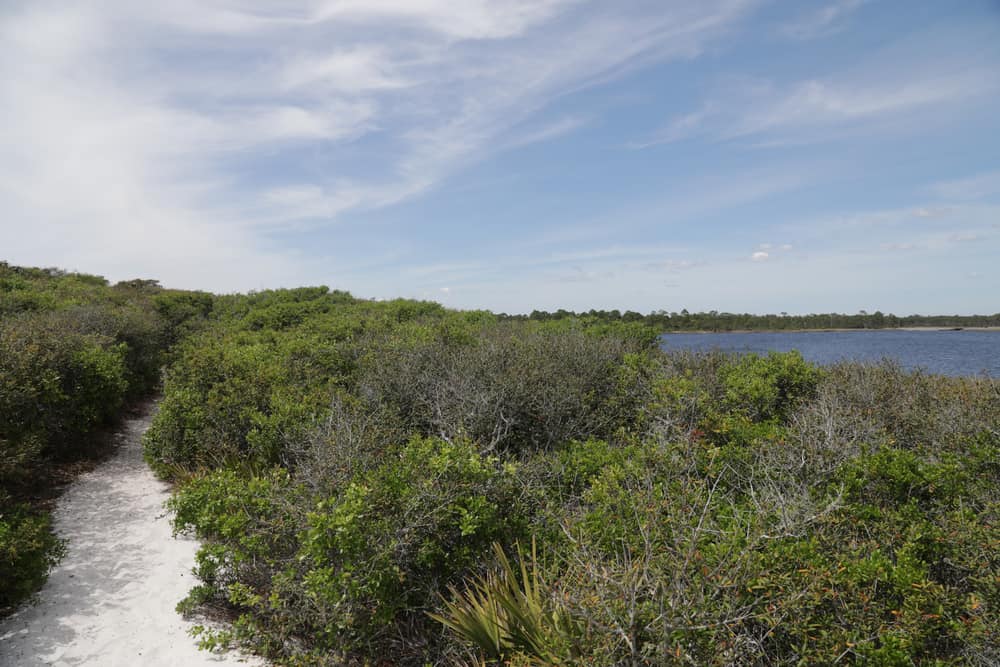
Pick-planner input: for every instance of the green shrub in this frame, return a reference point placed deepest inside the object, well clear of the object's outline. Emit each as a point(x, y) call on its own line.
point(72, 351)
point(353, 462)
point(238, 398)
point(580, 463)
point(247, 532)
point(382, 548)
point(28, 549)
point(55, 383)
point(891, 477)
point(512, 388)
point(352, 569)
point(768, 387)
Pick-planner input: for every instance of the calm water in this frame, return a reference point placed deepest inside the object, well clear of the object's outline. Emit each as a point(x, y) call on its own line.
point(942, 352)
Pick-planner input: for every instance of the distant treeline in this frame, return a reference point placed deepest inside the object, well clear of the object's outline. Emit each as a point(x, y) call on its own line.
point(716, 321)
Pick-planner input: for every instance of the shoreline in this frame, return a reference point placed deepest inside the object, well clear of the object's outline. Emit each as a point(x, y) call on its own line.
point(828, 330)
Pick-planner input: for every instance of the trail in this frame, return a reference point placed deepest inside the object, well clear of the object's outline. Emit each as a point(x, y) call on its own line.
point(111, 601)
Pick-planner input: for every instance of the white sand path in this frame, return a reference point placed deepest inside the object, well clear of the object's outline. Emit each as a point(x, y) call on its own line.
point(111, 601)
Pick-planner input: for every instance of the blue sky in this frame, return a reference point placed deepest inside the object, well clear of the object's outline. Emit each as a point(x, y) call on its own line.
point(733, 155)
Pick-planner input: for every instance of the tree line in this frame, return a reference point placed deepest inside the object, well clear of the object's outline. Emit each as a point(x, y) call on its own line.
point(721, 321)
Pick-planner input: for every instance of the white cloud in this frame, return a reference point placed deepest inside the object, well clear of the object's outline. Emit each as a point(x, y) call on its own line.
point(760, 256)
point(804, 106)
point(823, 21)
point(901, 82)
point(357, 70)
point(819, 101)
point(473, 19)
point(167, 138)
point(554, 130)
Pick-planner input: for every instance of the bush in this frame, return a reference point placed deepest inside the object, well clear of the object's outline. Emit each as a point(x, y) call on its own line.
point(356, 466)
point(358, 569)
point(768, 387)
point(28, 549)
point(72, 351)
point(57, 384)
point(239, 398)
point(512, 388)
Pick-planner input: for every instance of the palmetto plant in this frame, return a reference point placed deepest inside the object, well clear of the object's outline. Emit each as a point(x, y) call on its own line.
point(510, 612)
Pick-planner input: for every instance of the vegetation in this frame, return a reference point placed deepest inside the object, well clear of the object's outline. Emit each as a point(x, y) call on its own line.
point(663, 321)
point(367, 478)
point(73, 350)
point(396, 483)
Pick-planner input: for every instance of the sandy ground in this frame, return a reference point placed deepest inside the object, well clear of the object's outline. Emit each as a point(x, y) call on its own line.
point(111, 601)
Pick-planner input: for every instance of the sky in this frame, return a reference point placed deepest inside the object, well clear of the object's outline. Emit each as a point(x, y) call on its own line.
point(731, 155)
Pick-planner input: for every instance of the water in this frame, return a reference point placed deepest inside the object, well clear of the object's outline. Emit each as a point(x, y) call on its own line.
point(941, 352)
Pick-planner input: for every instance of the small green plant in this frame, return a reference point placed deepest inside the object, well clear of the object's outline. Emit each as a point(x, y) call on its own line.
point(511, 613)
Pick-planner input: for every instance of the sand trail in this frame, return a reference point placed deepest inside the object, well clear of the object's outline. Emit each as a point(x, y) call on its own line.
point(111, 601)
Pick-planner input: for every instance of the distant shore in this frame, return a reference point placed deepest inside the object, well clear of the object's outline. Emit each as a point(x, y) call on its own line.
point(829, 330)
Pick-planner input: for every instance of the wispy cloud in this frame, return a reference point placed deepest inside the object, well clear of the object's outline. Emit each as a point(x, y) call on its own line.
point(823, 21)
point(819, 103)
point(919, 79)
point(547, 132)
point(978, 186)
point(772, 114)
point(214, 120)
point(237, 144)
point(681, 127)
point(946, 231)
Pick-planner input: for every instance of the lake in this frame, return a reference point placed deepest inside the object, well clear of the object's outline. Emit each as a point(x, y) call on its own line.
point(940, 352)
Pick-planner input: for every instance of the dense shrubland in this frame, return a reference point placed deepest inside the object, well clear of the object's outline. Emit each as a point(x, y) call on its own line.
point(394, 483)
point(73, 350)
